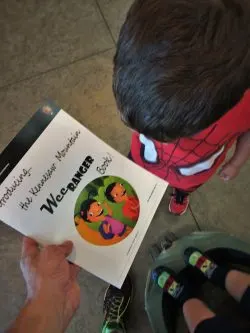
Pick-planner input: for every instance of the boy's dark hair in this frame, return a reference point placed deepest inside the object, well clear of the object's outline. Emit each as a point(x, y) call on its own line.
point(85, 206)
point(180, 65)
point(108, 192)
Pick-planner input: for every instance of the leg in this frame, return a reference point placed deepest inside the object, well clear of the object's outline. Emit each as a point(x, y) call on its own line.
point(195, 312)
point(116, 303)
point(238, 286)
point(237, 283)
point(199, 318)
point(179, 201)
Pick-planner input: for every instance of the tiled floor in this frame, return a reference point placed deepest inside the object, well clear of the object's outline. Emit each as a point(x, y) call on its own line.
point(63, 50)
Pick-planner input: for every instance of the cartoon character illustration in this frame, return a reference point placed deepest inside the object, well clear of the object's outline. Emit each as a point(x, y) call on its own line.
point(93, 212)
point(117, 193)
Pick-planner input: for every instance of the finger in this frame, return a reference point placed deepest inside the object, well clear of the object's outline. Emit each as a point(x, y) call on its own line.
point(29, 248)
point(66, 248)
point(224, 177)
point(222, 172)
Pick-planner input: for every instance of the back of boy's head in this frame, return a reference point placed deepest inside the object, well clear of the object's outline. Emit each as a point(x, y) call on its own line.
point(181, 64)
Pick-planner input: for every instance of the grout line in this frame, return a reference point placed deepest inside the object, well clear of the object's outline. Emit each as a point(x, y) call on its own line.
point(195, 220)
point(55, 68)
point(105, 21)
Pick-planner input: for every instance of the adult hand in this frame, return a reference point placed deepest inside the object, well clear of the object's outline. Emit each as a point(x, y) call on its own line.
point(51, 281)
point(229, 171)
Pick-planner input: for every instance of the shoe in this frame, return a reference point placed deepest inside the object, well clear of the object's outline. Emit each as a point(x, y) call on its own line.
point(115, 308)
point(195, 258)
point(179, 202)
point(189, 252)
point(180, 290)
point(206, 266)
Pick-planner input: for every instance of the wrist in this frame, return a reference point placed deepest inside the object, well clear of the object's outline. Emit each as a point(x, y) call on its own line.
point(47, 293)
point(48, 311)
point(37, 316)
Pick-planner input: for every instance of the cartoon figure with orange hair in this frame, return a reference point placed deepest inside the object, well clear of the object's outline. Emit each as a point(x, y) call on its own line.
point(93, 212)
point(117, 193)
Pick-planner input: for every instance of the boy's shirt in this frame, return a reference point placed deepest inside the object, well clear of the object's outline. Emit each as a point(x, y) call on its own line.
point(189, 162)
point(115, 227)
point(131, 208)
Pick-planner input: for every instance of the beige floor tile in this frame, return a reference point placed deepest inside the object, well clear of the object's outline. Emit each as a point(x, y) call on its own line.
point(12, 290)
point(224, 206)
point(84, 89)
point(39, 35)
point(115, 12)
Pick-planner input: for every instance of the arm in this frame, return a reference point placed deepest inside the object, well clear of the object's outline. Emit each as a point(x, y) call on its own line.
point(242, 153)
point(109, 210)
point(106, 230)
point(136, 204)
point(37, 316)
point(53, 294)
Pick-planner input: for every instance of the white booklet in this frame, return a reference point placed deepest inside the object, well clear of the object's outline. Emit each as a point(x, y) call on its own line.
point(58, 182)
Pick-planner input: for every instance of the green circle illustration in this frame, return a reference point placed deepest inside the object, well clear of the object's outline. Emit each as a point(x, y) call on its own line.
point(106, 211)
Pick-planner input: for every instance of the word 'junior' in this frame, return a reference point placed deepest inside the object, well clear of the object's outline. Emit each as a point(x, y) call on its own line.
point(53, 201)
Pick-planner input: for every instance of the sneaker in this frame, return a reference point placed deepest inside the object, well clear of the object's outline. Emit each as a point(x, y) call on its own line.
point(179, 202)
point(215, 273)
point(115, 308)
point(195, 258)
point(180, 291)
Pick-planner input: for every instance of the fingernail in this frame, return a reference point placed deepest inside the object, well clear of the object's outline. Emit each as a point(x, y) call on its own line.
point(68, 242)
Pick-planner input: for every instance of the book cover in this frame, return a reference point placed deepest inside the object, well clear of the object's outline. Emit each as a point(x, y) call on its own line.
point(58, 181)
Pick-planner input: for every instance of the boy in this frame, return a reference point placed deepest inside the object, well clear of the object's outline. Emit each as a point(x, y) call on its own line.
point(181, 78)
point(117, 193)
point(93, 212)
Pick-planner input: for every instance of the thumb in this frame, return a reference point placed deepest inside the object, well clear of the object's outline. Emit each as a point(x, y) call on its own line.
point(29, 248)
point(223, 174)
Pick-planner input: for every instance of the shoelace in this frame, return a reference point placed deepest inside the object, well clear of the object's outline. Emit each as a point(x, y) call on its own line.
point(180, 197)
point(113, 313)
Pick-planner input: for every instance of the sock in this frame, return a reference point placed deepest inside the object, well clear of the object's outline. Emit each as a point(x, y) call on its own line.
point(217, 274)
point(165, 280)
